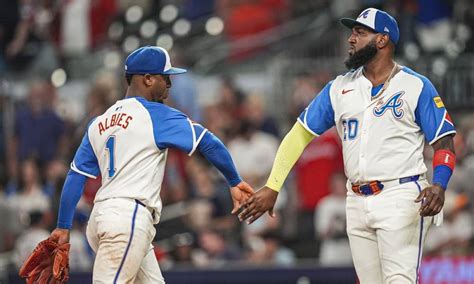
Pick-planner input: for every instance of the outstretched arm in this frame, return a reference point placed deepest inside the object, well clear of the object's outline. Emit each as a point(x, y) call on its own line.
point(288, 153)
point(217, 154)
point(444, 160)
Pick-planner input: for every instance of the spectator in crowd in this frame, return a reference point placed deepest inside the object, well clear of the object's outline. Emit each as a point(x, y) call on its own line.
point(182, 248)
point(253, 152)
point(266, 249)
point(223, 117)
point(84, 24)
point(207, 205)
point(39, 222)
point(330, 224)
point(81, 30)
point(231, 103)
point(257, 115)
point(184, 93)
point(31, 50)
point(39, 131)
point(31, 195)
point(214, 250)
point(219, 121)
point(9, 18)
point(9, 227)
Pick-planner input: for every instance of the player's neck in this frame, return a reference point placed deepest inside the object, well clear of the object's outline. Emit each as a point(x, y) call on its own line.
point(133, 92)
point(378, 70)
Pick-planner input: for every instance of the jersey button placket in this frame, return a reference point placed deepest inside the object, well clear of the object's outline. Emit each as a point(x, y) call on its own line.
point(364, 139)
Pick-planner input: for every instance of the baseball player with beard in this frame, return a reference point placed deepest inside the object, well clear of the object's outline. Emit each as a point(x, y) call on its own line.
point(383, 113)
point(127, 146)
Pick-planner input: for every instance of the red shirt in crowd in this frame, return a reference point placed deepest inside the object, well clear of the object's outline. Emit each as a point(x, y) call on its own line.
point(319, 161)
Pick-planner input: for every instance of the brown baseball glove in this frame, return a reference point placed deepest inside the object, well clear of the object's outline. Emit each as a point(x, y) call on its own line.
point(48, 263)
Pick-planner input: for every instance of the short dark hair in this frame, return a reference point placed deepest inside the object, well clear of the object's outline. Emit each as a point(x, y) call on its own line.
point(128, 77)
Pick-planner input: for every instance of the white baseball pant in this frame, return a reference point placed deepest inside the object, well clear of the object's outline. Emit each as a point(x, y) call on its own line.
point(120, 231)
point(386, 233)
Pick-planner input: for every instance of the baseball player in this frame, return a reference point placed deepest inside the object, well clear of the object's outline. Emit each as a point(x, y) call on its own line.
point(382, 112)
point(127, 146)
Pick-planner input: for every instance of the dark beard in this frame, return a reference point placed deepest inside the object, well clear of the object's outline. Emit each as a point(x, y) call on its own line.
point(362, 56)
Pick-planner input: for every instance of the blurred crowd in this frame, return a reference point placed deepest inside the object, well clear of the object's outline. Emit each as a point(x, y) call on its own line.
point(45, 45)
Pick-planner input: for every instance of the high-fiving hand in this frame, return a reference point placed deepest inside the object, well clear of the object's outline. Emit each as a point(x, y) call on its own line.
point(262, 201)
point(240, 194)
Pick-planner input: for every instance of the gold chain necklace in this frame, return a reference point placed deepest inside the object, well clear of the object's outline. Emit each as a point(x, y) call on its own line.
point(387, 82)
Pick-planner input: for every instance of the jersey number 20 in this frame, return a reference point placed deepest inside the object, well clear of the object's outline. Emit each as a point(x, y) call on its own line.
point(350, 128)
point(110, 148)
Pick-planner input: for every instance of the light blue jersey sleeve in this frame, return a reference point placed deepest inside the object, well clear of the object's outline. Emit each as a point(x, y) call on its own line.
point(431, 115)
point(85, 162)
point(173, 129)
point(319, 115)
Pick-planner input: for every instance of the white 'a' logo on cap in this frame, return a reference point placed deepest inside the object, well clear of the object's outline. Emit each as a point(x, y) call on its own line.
point(367, 17)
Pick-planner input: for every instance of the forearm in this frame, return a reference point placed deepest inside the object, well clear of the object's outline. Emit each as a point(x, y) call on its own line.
point(444, 160)
point(217, 154)
point(445, 143)
point(288, 153)
point(72, 191)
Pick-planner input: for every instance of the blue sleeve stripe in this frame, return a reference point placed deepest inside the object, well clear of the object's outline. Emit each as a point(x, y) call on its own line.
point(306, 126)
point(74, 168)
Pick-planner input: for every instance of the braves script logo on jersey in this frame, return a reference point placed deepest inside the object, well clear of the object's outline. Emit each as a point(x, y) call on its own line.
point(394, 103)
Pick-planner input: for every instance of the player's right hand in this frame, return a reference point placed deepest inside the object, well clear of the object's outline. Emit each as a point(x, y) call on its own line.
point(240, 193)
point(60, 236)
point(262, 201)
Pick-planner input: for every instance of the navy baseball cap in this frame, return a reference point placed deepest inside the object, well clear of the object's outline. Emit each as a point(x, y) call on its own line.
point(150, 60)
point(376, 20)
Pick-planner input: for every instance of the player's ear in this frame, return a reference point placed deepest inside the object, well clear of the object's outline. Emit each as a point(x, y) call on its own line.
point(382, 40)
point(148, 80)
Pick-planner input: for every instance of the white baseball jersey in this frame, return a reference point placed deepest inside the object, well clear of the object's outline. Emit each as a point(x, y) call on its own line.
point(382, 137)
point(127, 146)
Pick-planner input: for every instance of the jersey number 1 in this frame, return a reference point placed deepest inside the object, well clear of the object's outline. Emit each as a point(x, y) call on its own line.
point(110, 148)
